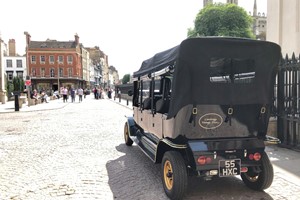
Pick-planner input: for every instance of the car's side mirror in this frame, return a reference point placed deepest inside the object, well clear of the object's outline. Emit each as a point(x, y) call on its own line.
point(130, 93)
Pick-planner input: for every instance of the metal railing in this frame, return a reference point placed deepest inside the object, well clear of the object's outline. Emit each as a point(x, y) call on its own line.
point(287, 102)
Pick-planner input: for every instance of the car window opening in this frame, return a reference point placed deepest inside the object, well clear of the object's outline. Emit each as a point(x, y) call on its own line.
point(232, 70)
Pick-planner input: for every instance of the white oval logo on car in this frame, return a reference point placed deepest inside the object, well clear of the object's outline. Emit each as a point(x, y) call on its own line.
point(210, 121)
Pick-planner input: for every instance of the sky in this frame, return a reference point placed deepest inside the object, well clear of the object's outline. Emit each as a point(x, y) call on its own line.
point(128, 31)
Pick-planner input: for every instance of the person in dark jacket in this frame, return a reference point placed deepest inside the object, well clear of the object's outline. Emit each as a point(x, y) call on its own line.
point(73, 93)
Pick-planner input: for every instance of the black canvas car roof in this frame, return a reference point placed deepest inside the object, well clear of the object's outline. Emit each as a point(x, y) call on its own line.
point(195, 60)
point(158, 62)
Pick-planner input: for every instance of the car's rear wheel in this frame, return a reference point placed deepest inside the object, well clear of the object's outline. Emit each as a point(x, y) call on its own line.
point(174, 175)
point(128, 141)
point(261, 180)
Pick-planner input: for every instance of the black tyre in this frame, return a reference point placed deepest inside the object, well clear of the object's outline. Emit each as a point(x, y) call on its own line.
point(174, 175)
point(128, 141)
point(262, 180)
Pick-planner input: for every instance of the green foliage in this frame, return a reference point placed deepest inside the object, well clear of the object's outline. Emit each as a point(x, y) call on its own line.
point(222, 20)
point(9, 87)
point(126, 78)
point(18, 84)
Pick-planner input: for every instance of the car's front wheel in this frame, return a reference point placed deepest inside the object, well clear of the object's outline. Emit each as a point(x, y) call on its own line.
point(174, 175)
point(259, 180)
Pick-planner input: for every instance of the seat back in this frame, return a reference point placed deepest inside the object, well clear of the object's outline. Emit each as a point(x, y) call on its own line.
point(162, 105)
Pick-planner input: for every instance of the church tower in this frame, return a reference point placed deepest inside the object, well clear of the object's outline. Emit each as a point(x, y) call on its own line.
point(233, 1)
point(254, 9)
point(206, 2)
point(259, 23)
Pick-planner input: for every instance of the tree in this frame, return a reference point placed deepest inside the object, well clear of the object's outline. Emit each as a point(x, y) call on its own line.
point(222, 20)
point(126, 78)
point(18, 84)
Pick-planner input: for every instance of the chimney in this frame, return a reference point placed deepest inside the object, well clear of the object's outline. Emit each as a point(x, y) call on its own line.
point(76, 39)
point(11, 47)
point(27, 37)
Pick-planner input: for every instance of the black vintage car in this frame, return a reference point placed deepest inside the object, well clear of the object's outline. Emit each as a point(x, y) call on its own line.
point(202, 109)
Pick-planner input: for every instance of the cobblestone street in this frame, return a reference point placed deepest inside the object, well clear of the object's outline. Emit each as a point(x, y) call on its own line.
point(78, 152)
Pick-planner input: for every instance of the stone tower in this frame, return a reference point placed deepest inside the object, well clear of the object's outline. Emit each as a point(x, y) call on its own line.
point(206, 2)
point(233, 1)
point(254, 9)
point(12, 47)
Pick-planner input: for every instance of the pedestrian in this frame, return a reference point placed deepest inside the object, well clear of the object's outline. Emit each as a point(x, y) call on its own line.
point(84, 92)
point(80, 93)
point(56, 95)
point(95, 93)
point(73, 93)
point(99, 93)
point(65, 94)
point(35, 96)
point(109, 93)
point(44, 97)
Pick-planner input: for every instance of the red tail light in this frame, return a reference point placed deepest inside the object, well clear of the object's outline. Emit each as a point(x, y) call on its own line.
point(202, 160)
point(256, 156)
point(251, 156)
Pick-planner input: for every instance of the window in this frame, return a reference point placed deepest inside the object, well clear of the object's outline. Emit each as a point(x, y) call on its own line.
point(70, 59)
point(19, 64)
point(51, 59)
point(42, 72)
point(42, 59)
point(51, 72)
point(232, 70)
point(60, 72)
point(10, 76)
point(9, 63)
point(70, 72)
point(20, 74)
point(33, 59)
point(33, 72)
point(60, 59)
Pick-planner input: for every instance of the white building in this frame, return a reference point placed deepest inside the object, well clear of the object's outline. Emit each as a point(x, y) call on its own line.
point(14, 66)
point(284, 25)
point(3, 52)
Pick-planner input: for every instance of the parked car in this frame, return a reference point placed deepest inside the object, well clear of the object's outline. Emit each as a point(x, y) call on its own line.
point(202, 109)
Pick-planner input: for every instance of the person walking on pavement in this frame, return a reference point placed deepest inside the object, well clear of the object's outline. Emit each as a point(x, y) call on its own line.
point(73, 93)
point(95, 93)
point(80, 93)
point(65, 94)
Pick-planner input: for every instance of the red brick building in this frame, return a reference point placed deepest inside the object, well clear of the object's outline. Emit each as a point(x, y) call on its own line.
point(53, 64)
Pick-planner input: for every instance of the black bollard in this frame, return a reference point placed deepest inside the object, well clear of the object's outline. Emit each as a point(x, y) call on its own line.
point(127, 103)
point(17, 107)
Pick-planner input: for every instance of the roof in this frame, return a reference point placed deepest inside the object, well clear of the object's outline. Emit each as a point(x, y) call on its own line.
point(158, 62)
point(198, 61)
point(52, 44)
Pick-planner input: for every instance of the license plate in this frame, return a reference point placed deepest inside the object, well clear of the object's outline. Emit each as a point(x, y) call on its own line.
point(229, 167)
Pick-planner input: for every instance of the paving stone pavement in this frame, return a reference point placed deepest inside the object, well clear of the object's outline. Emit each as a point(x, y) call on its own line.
point(78, 152)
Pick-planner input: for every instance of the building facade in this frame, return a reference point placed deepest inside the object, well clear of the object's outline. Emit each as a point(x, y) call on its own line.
point(284, 25)
point(233, 1)
point(54, 64)
point(14, 66)
point(85, 67)
point(3, 52)
point(259, 23)
point(206, 2)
